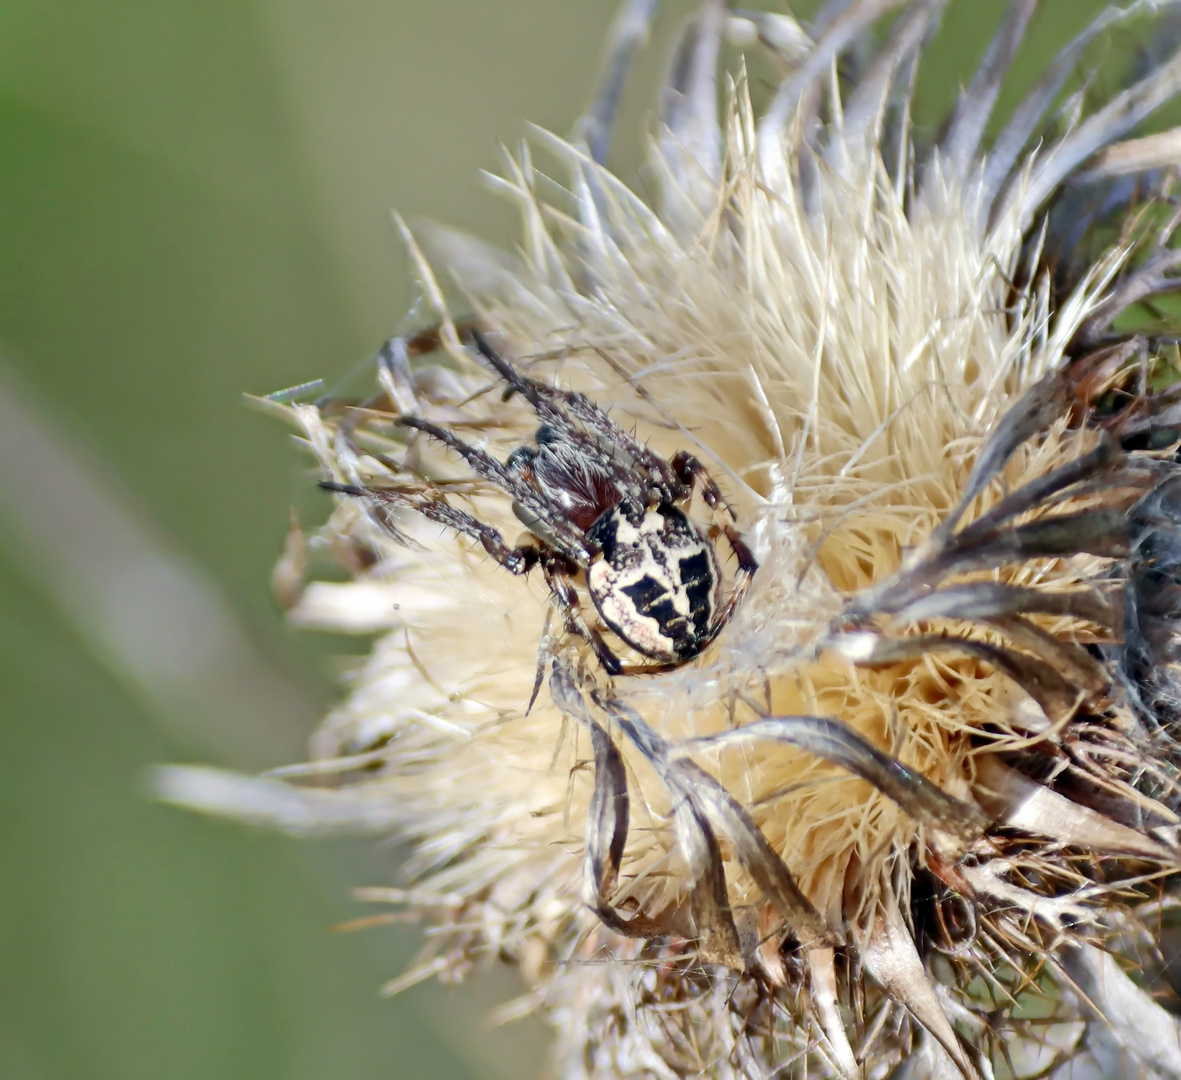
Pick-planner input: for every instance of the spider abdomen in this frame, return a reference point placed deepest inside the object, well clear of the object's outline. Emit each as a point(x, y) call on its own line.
point(656, 583)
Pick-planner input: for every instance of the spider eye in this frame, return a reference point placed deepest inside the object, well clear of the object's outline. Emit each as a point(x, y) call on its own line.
point(548, 435)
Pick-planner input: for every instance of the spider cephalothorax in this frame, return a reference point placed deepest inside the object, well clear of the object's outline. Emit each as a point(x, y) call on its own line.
point(599, 502)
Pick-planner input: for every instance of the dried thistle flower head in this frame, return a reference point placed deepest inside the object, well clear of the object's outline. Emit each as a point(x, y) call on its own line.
point(877, 771)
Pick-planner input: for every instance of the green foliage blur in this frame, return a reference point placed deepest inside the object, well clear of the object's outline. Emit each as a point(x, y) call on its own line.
point(194, 204)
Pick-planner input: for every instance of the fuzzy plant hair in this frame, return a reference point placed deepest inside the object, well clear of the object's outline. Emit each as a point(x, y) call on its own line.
point(913, 809)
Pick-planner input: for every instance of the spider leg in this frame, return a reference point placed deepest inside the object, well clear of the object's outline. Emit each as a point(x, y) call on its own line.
point(394, 361)
point(599, 422)
point(568, 540)
point(537, 394)
point(552, 406)
point(517, 560)
point(692, 473)
point(557, 577)
point(747, 565)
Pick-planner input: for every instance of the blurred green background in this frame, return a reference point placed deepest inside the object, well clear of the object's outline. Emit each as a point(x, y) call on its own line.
point(194, 204)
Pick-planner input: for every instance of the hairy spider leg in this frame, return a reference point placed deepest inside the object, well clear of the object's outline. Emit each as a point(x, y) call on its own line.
point(545, 399)
point(537, 394)
point(547, 403)
point(692, 473)
point(564, 537)
point(557, 577)
point(595, 418)
point(747, 565)
point(517, 560)
point(553, 408)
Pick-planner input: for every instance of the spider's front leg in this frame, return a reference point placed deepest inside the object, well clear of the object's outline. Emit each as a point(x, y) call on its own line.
point(552, 406)
point(517, 560)
point(564, 536)
point(557, 576)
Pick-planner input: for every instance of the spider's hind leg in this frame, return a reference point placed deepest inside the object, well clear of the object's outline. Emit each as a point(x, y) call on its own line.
point(557, 577)
point(692, 474)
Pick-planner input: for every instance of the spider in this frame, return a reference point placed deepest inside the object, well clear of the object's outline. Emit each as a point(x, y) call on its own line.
point(598, 502)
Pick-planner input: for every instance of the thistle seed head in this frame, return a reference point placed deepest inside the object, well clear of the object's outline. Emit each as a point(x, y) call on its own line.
point(916, 798)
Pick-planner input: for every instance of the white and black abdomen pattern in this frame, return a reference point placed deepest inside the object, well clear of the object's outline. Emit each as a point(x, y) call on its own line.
point(656, 583)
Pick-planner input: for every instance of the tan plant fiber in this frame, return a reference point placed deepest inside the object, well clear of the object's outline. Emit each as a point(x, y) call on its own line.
point(914, 811)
